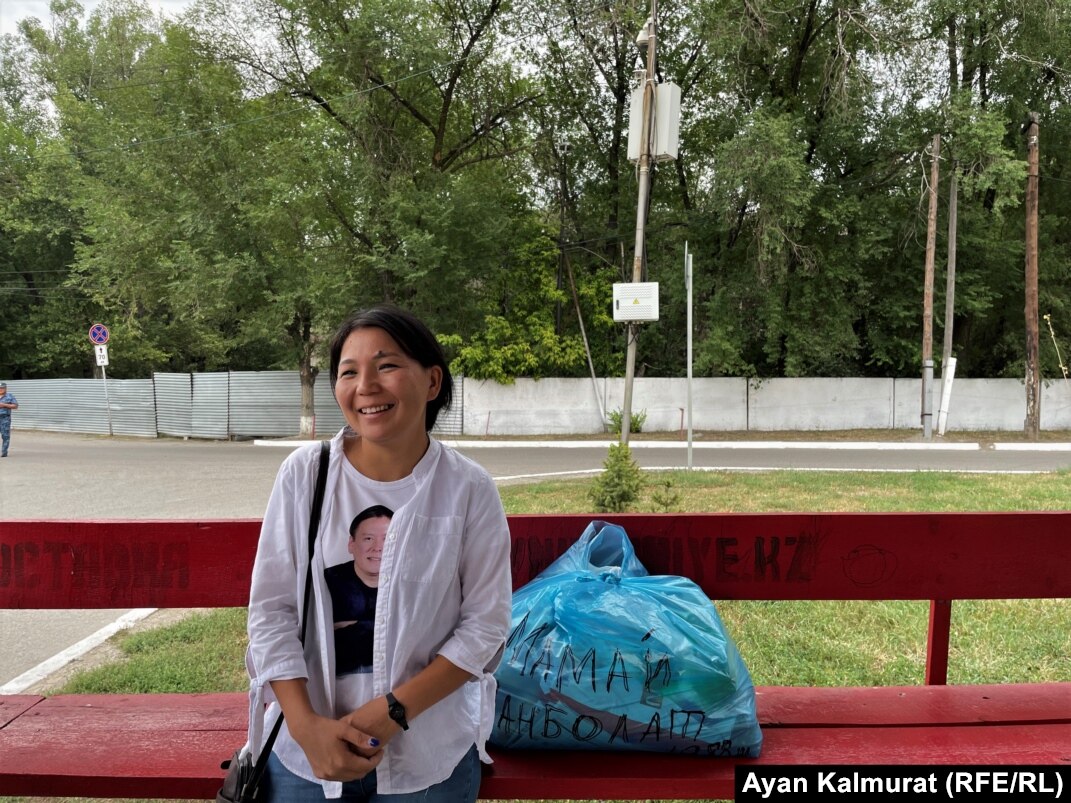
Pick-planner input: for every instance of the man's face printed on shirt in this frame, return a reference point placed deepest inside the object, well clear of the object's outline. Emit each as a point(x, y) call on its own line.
point(366, 546)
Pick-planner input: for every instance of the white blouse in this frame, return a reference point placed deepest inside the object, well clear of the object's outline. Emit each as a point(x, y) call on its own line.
point(444, 589)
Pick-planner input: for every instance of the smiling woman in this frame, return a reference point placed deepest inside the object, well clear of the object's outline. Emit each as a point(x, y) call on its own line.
point(392, 689)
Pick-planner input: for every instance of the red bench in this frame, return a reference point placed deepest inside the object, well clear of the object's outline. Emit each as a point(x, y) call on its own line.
point(171, 745)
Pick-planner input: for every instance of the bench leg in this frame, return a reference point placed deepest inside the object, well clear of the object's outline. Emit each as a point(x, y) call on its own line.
point(937, 642)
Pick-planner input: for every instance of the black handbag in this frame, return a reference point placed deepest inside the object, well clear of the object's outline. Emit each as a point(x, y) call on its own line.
point(242, 782)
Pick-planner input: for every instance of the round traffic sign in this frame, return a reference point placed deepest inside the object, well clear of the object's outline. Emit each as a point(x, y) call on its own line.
point(98, 333)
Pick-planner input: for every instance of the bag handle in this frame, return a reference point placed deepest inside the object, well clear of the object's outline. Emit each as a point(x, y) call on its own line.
point(314, 528)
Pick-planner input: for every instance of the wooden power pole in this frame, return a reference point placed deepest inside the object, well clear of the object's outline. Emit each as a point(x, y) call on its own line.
point(643, 179)
point(1033, 383)
point(948, 362)
point(950, 279)
point(927, 296)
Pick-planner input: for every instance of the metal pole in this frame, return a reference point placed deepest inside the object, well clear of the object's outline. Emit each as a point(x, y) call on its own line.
point(644, 179)
point(688, 294)
point(107, 401)
point(948, 362)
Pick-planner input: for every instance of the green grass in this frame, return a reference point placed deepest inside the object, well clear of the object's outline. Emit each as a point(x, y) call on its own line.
point(783, 643)
point(815, 491)
point(202, 653)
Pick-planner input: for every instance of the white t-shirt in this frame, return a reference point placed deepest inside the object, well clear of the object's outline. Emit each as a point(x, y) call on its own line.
point(354, 494)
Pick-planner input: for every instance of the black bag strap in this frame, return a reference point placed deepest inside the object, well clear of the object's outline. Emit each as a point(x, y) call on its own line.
point(314, 528)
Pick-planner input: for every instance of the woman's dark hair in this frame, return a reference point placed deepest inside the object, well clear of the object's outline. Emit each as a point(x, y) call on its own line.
point(415, 339)
point(374, 512)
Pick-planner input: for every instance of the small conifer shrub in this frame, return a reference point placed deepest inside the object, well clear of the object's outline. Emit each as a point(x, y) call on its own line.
point(619, 485)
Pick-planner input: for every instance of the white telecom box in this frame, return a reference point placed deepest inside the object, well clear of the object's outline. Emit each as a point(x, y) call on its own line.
point(665, 138)
point(636, 301)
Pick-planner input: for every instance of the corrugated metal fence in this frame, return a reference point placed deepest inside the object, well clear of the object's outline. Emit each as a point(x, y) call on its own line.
point(217, 405)
point(81, 405)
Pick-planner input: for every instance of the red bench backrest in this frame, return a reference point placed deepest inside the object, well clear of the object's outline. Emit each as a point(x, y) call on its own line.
point(770, 556)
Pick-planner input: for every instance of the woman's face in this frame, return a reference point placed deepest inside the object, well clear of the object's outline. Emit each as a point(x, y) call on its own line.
point(382, 392)
point(366, 546)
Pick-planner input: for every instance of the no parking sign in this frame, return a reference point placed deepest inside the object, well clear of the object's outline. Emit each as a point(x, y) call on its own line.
point(98, 334)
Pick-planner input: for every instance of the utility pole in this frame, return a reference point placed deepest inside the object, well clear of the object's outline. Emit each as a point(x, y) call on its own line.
point(950, 279)
point(948, 362)
point(927, 296)
point(1032, 425)
point(644, 180)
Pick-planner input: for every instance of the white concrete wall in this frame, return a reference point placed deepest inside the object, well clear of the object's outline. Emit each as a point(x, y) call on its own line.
point(532, 407)
point(984, 404)
point(1055, 404)
point(998, 404)
point(578, 407)
point(575, 406)
point(717, 404)
point(572, 406)
point(805, 403)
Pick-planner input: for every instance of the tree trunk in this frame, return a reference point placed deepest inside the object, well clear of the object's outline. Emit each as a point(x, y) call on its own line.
point(308, 397)
point(308, 369)
point(1032, 425)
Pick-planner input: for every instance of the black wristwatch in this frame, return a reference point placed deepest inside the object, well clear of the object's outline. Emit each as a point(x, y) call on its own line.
point(396, 711)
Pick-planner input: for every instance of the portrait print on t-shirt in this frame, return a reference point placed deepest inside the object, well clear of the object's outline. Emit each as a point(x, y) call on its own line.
point(353, 586)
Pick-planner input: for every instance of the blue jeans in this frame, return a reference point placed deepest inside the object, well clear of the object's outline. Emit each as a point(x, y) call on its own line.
point(280, 785)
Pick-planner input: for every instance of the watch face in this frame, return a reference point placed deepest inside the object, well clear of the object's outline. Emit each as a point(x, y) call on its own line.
point(396, 711)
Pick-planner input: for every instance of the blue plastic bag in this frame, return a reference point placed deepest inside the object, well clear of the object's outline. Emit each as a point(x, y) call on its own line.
point(603, 656)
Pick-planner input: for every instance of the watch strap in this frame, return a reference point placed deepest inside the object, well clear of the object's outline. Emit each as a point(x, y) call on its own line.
point(396, 710)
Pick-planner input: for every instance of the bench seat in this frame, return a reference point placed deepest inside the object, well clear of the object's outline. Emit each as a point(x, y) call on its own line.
point(171, 744)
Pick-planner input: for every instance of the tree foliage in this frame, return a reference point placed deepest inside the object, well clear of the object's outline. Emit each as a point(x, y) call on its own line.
point(221, 189)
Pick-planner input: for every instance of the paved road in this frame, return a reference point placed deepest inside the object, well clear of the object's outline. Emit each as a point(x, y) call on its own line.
point(517, 461)
point(61, 476)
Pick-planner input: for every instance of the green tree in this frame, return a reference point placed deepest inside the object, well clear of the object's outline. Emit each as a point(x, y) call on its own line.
point(427, 107)
point(45, 320)
point(220, 191)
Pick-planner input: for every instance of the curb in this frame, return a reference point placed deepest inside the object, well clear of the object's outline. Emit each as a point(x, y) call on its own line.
point(831, 445)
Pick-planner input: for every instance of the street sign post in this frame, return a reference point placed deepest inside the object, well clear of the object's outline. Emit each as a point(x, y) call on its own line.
point(98, 336)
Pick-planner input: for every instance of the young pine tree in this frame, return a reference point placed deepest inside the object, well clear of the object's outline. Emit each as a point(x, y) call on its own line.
point(619, 484)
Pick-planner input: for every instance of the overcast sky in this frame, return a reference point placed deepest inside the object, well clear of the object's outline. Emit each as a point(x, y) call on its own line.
point(11, 11)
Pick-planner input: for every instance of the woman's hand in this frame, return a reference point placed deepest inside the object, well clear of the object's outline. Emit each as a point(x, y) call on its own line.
point(336, 750)
point(373, 718)
point(418, 694)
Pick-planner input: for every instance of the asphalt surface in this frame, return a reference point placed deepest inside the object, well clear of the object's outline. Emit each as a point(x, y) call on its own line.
point(70, 476)
point(520, 461)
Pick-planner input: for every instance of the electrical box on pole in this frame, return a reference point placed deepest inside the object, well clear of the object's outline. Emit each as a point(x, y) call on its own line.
point(665, 133)
point(635, 302)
